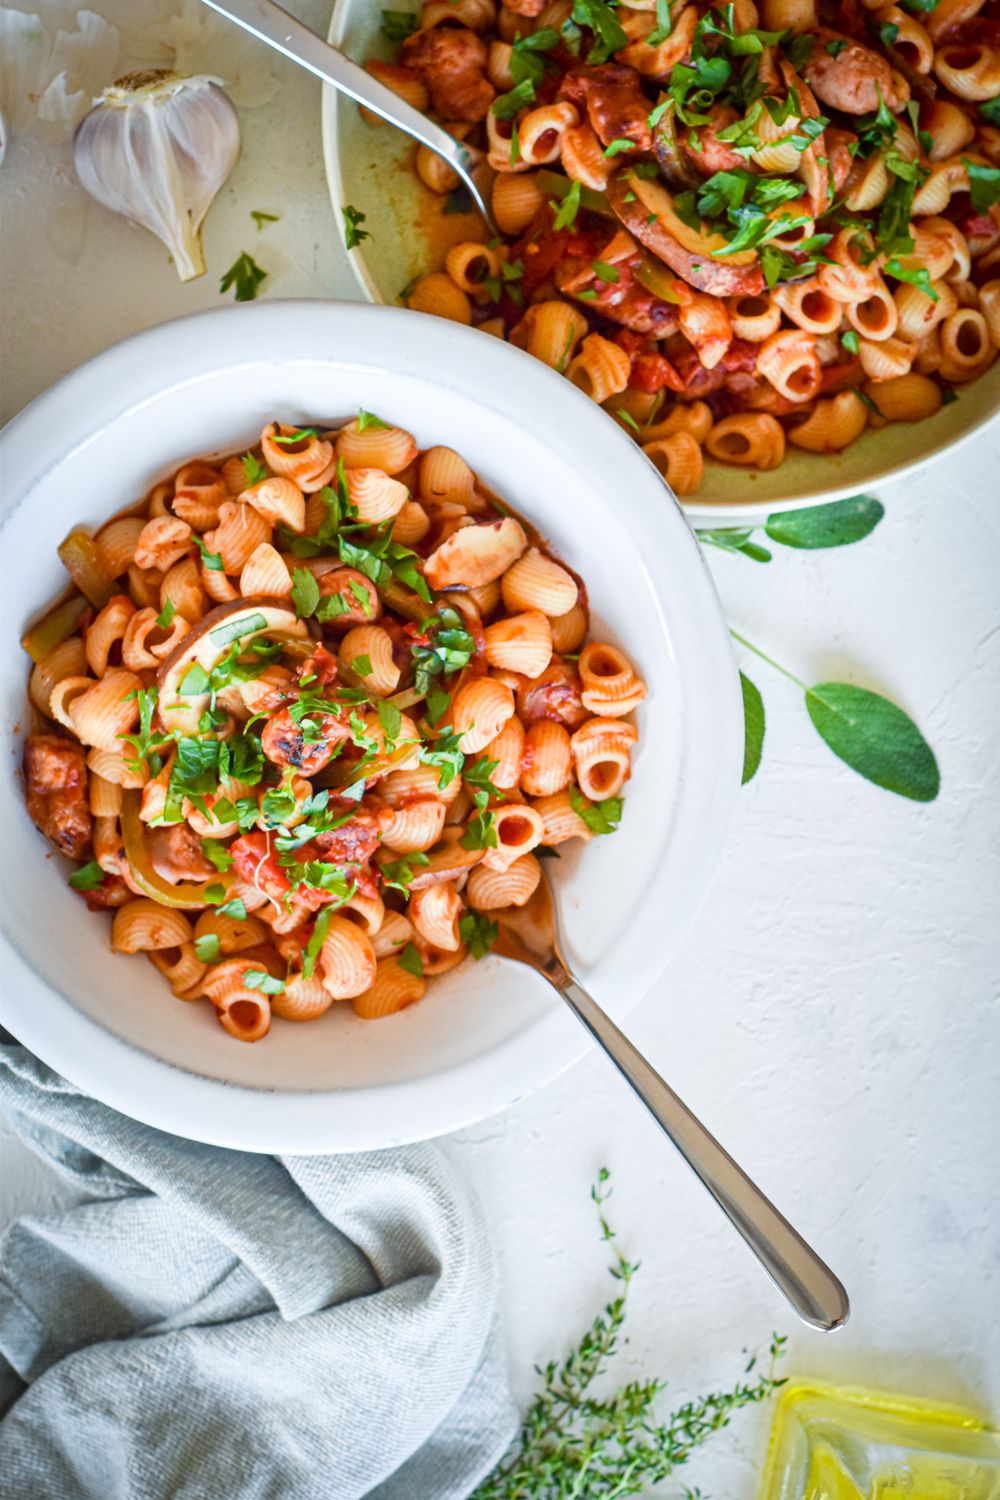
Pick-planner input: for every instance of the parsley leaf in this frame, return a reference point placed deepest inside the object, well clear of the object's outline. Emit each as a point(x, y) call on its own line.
point(245, 275)
point(211, 560)
point(236, 908)
point(397, 25)
point(600, 817)
point(569, 208)
point(305, 593)
point(259, 979)
point(621, 144)
point(478, 932)
point(398, 873)
point(88, 877)
point(208, 948)
point(917, 276)
point(510, 104)
point(253, 470)
point(353, 233)
point(166, 614)
point(410, 960)
point(368, 419)
point(984, 184)
point(217, 854)
point(260, 218)
point(609, 34)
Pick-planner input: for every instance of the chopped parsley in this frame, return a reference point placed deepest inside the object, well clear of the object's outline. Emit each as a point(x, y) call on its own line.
point(166, 614)
point(397, 25)
point(447, 647)
point(260, 218)
point(305, 593)
point(208, 948)
point(410, 960)
point(245, 275)
point(984, 184)
point(88, 877)
point(259, 979)
point(600, 817)
point(353, 233)
point(478, 932)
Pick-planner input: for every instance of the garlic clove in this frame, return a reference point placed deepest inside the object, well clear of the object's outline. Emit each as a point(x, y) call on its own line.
point(157, 147)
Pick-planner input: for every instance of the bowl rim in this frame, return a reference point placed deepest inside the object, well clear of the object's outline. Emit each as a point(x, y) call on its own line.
point(711, 513)
point(125, 378)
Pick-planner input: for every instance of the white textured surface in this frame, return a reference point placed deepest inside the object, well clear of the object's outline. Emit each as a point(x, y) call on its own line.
point(833, 1015)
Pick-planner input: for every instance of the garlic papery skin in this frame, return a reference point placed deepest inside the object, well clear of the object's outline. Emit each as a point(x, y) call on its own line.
point(157, 148)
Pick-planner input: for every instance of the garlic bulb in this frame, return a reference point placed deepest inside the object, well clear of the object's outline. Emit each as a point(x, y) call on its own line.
point(157, 148)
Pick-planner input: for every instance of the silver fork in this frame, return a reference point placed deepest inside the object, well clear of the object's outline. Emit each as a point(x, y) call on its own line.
point(269, 23)
point(530, 935)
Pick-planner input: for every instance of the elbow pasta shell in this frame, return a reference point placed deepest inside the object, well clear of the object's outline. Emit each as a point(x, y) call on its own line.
point(393, 989)
point(118, 541)
point(516, 201)
point(808, 306)
point(659, 61)
point(181, 585)
point(433, 171)
point(601, 369)
point(989, 306)
point(160, 501)
point(540, 132)
point(498, 60)
point(560, 819)
point(583, 158)
point(601, 750)
point(832, 424)
point(491, 889)
point(916, 313)
point(68, 659)
point(704, 322)
point(479, 710)
point(469, 264)
point(417, 826)
point(63, 695)
point(245, 1015)
point(569, 629)
point(611, 687)
point(347, 959)
point(234, 476)
point(438, 960)
point(393, 935)
point(276, 499)
point(965, 344)
point(437, 294)
point(106, 841)
point(506, 749)
point(142, 924)
point(405, 84)
point(486, 597)
point(181, 968)
point(388, 448)
point(495, 327)
point(112, 766)
point(226, 978)
point(520, 643)
point(106, 710)
point(309, 462)
point(219, 588)
point(911, 39)
point(753, 318)
point(854, 265)
point(948, 126)
point(788, 361)
point(693, 417)
point(874, 316)
point(145, 643)
point(519, 829)
point(240, 531)
point(105, 797)
point(748, 438)
point(678, 458)
point(969, 70)
point(907, 398)
point(434, 912)
point(884, 360)
point(401, 787)
point(302, 999)
point(934, 195)
point(371, 641)
point(199, 490)
point(411, 525)
point(234, 933)
point(144, 586)
point(477, 15)
point(376, 496)
point(536, 582)
point(799, 16)
point(553, 330)
point(264, 573)
point(370, 910)
point(162, 542)
point(546, 760)
point(867, 184)
point(445, 476)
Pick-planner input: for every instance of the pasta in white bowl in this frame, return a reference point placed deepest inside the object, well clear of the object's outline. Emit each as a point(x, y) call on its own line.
point(126, 464)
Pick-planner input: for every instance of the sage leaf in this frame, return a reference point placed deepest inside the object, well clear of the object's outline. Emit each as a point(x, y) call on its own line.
point(834, 525)
point(875, 738)
point(753, 728)
point(733, 539)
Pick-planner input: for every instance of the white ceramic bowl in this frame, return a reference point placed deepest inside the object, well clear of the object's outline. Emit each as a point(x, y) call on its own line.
point(370, 167)
point(490, 1032)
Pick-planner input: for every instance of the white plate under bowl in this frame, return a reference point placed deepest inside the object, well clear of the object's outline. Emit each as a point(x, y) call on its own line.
point(489, 1032)
point(370, 167)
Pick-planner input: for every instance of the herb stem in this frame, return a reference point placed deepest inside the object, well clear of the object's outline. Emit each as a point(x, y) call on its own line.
point(769, 659)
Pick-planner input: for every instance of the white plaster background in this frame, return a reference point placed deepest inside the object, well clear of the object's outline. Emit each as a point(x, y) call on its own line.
point(833, 1015)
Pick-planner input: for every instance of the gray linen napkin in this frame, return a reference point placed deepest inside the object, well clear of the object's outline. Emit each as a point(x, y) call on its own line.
point(217, 1323)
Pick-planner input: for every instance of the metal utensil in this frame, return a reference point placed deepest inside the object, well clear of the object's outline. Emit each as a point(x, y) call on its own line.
point(530, 935)
point(270, 24)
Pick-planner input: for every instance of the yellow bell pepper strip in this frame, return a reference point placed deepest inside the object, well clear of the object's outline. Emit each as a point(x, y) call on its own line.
point(57, 626)
point(82, 559)
point(185, 895)
point(657, 279)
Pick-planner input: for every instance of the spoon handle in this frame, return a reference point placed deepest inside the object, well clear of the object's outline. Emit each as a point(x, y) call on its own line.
point(269, 23)
point(810, 1286)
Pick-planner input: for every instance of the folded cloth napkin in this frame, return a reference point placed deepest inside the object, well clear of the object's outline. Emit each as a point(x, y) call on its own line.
point(215, 1323)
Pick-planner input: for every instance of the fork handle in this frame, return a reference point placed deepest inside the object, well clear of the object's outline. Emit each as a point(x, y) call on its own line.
point(810, 1286)
point(269, 23)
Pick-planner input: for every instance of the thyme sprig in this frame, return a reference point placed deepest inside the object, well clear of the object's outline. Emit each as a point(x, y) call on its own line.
point(574, 1443)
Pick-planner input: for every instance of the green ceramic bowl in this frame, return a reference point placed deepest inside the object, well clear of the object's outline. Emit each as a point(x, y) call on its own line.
point(370, 167)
